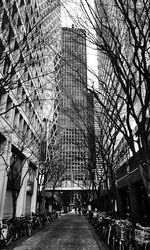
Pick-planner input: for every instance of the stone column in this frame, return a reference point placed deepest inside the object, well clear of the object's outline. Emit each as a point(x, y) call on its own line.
point(34, 197)
point(21, 201)
point(4, 168)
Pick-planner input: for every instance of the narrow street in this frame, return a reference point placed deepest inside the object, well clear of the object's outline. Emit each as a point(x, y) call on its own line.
point(69, 231)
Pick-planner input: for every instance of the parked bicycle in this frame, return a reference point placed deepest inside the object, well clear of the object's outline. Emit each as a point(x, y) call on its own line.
point(25, 225)
point(13, 228)
point(141, 238)
point(120, 234)
point(36, 221)
point(6, 235)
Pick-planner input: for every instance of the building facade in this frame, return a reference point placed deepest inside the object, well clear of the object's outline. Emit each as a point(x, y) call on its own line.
point(23, 89)
point(73, 99)
point(72, 119)
point(131, 195)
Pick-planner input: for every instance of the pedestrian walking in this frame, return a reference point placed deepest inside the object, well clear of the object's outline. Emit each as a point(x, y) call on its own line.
point(75, 207)
point(79, 209)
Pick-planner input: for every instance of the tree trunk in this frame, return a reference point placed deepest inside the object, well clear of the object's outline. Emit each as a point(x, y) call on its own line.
point(40, 201)
point(14, 201)
point(113, 188)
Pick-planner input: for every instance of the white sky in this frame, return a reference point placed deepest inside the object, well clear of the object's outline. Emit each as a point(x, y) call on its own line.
point(73, 7)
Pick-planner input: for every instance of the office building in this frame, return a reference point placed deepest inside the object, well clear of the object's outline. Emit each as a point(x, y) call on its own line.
point(72, 117)
point(132, 195)
point(23, 89)
point(73, 108)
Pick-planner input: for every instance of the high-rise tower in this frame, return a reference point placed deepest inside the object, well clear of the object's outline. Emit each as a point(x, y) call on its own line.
point(72, 123)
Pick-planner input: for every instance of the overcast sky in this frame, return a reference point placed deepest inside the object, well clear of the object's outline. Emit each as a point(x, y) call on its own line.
point(73, 7)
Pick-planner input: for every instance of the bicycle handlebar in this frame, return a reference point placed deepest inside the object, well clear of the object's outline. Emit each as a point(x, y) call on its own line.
point(141, 227)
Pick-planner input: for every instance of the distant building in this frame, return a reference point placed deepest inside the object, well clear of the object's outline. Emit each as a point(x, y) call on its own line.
point(73, 108)
point(73, 120)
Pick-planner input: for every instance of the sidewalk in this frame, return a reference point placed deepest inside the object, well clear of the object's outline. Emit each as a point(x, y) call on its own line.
point(68, 232)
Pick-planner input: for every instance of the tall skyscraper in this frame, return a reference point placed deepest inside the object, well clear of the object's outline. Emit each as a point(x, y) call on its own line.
point(50, 16)
point(29, 42)
point(21, 102)
point(73, 146)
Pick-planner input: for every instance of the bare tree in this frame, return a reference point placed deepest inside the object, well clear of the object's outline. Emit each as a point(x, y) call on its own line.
point(24, 75)
point(22, 160)
point(24, 54)
point(122, 42)
point(99, 140)
point(51, 171)
point(106, 143)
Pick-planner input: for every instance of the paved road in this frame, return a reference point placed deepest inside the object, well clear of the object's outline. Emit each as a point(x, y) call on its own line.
point(68, 232)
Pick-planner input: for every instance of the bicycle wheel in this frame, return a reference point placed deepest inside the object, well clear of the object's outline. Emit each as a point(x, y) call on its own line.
point(40, 224)
point(23, 231)
point(8, 236)
point(29, 229)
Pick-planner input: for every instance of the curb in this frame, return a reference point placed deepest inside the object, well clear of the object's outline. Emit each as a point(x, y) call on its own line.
point(101, 245)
